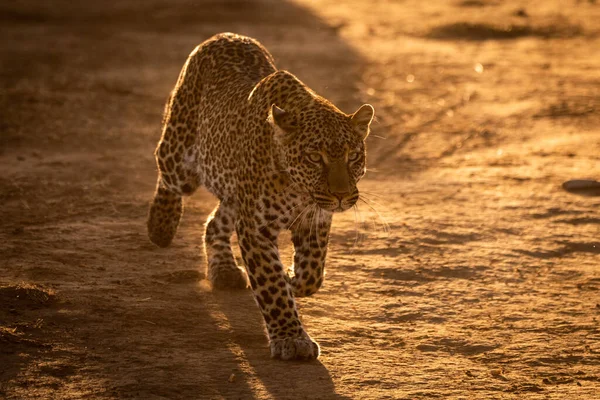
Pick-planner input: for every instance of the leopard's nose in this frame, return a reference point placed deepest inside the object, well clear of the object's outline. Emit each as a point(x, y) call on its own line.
point(341, 195)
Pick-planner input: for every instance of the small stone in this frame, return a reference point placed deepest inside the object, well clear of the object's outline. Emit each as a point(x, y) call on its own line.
point(498, 373)
point(521, 12)
point(231, 378)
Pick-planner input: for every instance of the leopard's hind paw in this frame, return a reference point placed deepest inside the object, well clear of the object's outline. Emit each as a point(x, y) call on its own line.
point(163, 218)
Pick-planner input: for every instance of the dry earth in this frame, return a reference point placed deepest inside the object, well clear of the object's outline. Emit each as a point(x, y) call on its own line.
point(479, 278)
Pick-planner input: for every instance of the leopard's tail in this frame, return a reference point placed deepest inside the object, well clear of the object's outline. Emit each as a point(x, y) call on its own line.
point(165, 212)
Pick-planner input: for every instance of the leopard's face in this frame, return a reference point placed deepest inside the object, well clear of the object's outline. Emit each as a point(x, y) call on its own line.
point(331, 171)
point(325, 153)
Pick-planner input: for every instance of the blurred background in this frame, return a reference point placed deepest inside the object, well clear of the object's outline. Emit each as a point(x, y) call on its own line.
point(468, 271)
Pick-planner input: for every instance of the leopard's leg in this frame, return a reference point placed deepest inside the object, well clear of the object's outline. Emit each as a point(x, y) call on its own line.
point(274, 294)
point(164, 215)
point(223, 271)
point(310, 240)
point(176, 157)
point(178, 176)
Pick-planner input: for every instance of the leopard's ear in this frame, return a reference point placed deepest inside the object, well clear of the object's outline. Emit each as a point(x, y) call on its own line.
point(282, 121)
point(362, 120)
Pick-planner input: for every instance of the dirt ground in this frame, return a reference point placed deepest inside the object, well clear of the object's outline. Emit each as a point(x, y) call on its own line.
point(478, 276)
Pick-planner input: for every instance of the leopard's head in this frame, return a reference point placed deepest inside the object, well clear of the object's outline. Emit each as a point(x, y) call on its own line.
point(323, 150)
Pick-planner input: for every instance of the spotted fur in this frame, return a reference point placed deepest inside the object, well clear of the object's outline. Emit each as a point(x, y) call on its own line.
point(277, 155)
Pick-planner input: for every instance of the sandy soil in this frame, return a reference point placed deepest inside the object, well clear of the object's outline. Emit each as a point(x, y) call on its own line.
point(478, 276)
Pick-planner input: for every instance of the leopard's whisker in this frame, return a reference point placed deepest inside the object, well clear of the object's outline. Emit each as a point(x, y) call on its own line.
point(317, 213)
point(312, 220)
point(372, 194)
point(373, 201)
point(377, 202)
point(305, 213)
point(369, 219)
point(318, 229)
point(298, 216)
point(286, 214)
point(284, 192)
point(319, 222)
point(384, 224)
point(355, 208)
point(283, 215)
point(361, 224)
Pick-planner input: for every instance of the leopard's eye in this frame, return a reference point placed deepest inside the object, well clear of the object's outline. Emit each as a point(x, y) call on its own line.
point(314, 157)
point(353, 156)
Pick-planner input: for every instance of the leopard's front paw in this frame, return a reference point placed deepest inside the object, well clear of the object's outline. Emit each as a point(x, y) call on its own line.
point(295, 348)
point(226, 276)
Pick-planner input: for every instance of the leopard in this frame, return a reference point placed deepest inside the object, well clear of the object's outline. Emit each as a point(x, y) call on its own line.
point(278, 157)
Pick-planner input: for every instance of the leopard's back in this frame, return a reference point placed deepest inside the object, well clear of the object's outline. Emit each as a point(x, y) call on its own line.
point(207, 112)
